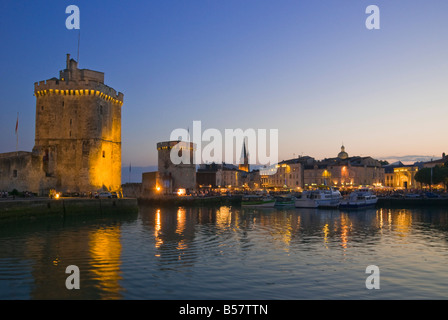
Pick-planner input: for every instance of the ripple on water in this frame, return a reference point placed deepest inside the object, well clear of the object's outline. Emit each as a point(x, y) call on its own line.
point(199, 253)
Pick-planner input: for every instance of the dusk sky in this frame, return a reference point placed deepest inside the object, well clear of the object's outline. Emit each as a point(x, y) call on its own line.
point(310, 69)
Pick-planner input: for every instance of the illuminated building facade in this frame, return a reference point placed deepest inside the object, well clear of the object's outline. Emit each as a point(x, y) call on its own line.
point(287, 174)
point(341, 171)
point(77, 137)
point(344, 171)
point(401, 176)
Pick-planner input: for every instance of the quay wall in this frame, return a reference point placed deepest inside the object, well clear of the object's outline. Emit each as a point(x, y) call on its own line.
point(62, 207)
point(412, 203)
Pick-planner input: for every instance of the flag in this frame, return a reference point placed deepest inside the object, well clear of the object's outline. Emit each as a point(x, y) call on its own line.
point(17, 122)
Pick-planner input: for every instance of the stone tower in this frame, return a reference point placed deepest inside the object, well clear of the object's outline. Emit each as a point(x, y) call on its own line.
point(175, 176)
point(78, 131)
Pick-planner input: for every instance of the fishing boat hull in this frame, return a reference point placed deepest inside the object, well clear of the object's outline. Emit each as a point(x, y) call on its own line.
point(362, 198)
point(358, 204)
point(285, 202)
point(329, 203)
point(258, 202)
point(306, 203)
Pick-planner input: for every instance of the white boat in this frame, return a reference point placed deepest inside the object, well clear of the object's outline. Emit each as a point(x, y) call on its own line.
point(360, 198)
point(321, 198)
point(258, 201)
point(306, 200)
point(328, 198)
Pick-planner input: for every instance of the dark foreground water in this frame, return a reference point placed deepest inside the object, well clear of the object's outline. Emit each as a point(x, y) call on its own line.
point(228, 253)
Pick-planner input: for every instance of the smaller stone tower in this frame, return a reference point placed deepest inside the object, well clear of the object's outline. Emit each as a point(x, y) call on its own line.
point(175, 176)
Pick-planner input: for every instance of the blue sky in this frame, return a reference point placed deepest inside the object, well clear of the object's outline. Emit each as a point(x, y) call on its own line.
point(310, 69)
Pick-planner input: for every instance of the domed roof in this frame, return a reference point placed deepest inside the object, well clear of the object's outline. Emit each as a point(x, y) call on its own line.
point(342, 154)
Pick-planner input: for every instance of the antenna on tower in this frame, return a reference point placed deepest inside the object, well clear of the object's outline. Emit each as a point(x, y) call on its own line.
point(79, 40)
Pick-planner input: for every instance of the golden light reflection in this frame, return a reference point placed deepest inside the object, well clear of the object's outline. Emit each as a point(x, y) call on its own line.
point(326, 231)
point(181, 212)
point(182, 245)
point(157, 227)
point(345, 229)
point(283, 234)
point(392, 220)
point(105, 251)
point(223, 217)
point(403, 223)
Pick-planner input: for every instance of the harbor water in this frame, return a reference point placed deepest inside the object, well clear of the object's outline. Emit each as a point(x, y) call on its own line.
point(226, 252)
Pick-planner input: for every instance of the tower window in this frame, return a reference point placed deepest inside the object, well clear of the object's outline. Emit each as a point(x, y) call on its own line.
point(42, 108)
point(14, 173)
point(104, 154)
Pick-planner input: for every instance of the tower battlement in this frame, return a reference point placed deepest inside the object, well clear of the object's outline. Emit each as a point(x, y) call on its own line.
point(77, 88)
point(77, 82)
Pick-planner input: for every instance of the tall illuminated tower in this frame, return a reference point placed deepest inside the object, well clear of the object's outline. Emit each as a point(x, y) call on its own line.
point(78, 131)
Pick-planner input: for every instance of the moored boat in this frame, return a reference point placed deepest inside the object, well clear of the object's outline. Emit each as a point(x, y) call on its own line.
point(306, 200)
point(360, 198)
point(329, 198)
point(258, 201)
point(320, 198)
point(285, 201)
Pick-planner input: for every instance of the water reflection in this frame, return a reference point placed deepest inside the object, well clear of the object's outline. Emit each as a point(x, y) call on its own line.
point(232, 251)
point(188, 229)
point(184, 225)
point(105, 251)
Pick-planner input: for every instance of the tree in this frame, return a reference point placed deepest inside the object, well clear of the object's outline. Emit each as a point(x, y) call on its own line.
point(431, 176)
point(444, 175)
point(423, 176)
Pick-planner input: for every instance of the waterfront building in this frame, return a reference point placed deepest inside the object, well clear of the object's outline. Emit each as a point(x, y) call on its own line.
point(401, 176)
point(206, 176)
point(222, 176)
point(436, 163)
point(344, 171)
point(285, 175)
point(307, 172)
point(229, 176)
point(77, 137)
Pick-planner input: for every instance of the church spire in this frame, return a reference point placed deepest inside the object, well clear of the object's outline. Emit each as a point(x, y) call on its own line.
point(244, 166)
